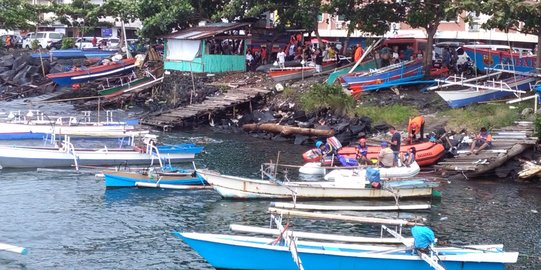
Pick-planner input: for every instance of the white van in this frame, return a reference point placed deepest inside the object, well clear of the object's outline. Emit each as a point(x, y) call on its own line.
point(44, 39)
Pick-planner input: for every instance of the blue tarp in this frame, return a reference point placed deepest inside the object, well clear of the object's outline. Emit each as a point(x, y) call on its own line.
point(345, 161)
point(422, 236)
point(372, 175)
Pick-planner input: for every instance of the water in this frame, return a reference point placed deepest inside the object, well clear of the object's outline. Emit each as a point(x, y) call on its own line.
point(69, 221)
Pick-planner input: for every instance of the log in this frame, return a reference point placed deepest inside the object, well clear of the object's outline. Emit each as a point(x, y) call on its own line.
point(288, 130)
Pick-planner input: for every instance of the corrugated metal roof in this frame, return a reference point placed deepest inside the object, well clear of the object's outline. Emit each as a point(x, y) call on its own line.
point(209, 30)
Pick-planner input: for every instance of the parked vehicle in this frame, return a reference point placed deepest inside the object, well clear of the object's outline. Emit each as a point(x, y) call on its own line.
point(85, 42)
point(45, 39)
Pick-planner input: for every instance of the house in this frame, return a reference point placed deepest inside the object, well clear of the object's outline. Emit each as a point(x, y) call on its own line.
point(209, 48)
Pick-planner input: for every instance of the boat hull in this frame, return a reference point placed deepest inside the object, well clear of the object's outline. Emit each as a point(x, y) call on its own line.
point(91, 73)
point(238, 252)
point(245, 188)
point(14, 131)
point(485, 59)
point(385, 173)
point(293, 73)
point(130, 179)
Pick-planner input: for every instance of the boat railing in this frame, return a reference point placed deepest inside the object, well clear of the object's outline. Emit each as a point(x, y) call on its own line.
point(154, 152)
point(70, 149)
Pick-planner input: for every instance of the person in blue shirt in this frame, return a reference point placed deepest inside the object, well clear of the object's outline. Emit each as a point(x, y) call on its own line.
point(362, 152)
point(325, 149)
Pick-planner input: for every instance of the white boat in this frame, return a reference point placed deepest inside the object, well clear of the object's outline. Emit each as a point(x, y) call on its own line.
point(66, 155)
point(385, 173)
point(246, 188)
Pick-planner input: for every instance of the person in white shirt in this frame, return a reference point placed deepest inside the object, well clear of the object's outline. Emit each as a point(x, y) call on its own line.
point(281, 58)
point(249, 61)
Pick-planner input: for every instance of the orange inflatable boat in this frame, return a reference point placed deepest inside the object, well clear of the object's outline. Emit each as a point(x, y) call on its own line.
point(427, 152)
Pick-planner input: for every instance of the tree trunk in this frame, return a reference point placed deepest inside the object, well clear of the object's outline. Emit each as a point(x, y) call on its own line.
point(316, 31)
point(288, 130)
point(346, 42)
point(538, 58)
point(430, 32)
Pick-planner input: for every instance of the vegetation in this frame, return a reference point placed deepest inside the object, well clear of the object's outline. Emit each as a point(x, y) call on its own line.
point(35, 44)
point(322, 96)
point(68, 43)
point(396, 115)
point(473, 117)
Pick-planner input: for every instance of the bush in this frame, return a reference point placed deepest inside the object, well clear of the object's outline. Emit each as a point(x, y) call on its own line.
point(322, 96)
point(396, 115)
point(68, 43)
point(35, 44)
point(474, 117)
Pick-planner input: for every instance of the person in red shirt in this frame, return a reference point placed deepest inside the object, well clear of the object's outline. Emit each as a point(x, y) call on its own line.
point(358, 53)
point(483, 141)
point(416, 126)
point(94, 41)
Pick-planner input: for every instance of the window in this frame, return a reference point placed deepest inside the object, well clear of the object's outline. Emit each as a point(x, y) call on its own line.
point(341, 18)
point(40, 35)
point(55, 36)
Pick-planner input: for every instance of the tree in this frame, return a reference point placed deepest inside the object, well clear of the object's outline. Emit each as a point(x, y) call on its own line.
point(79, 14)
point(14, 14)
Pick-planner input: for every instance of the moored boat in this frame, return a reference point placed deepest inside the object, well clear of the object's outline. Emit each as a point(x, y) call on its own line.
point(93, 72)
point(295, 73)
point(499, 56)
point(385, 173)
point(75, 53)
point(159, 178)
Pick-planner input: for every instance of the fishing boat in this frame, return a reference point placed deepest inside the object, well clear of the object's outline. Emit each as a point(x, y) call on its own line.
point(134, 85)
point(270, 187)
point(487, 57)
point(93, 72)
point(489, 90)
point(75, 53)
point(386, 173)
point(66, 155)
point(295, 73)
point(166, 177)
point(427, 153)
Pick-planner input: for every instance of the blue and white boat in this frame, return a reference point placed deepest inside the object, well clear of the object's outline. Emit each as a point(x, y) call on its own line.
point(75, 53)
point(93, 72)
point(493, 56)
point(488, 91)
point(166, 177)
point(247, 252)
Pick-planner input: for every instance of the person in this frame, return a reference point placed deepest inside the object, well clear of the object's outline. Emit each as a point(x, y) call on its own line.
point(409, 157)
point(419, 54)
point(332, 53)
point(249, 61)
point(8, 41)
point(385, 156)
point(408, 53)
point(395, 143)
point(358, 53)
point(291, 52)
point(319, 60)
point(281, 58)
point(416, 126)
point(362, 152)
point(483, 141)
point(446, 57)
point(423, 238)
point(264, 55)
point(385, 55)
point(325, 149)
point(94, 41)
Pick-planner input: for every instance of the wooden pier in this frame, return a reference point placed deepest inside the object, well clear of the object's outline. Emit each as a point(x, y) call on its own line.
point(507, 143)
point(180, 116)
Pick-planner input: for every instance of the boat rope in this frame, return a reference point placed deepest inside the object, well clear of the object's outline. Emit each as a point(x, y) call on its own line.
point(281, 235)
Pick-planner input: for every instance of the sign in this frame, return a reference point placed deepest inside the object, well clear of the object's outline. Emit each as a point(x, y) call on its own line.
point(106, 32)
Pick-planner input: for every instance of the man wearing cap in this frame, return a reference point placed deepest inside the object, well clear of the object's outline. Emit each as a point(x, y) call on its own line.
point(396, 140)
point(386, 156)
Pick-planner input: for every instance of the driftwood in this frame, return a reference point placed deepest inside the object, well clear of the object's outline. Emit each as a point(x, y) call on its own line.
point(529, 169)
point(288, 130)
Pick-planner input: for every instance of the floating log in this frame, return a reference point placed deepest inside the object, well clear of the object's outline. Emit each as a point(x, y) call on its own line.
point(318, 236)
point(367, 220)
point(288, 130)
point(318, 207)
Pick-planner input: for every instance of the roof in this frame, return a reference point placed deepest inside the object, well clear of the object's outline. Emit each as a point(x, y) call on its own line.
point(209, 30)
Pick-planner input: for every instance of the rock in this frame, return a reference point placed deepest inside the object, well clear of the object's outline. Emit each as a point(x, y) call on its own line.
point(526, 111)
point(22, 76)
point(2, 69)
point(381, 127)
point(21, 61)
point(7, 61)
point(279, 87)
point(341, 127)
point(263, 117)
point(279, 138)
point(300, 139)
point(247, 119)
point(300, 116)
point(305, 124)
point(7, 75)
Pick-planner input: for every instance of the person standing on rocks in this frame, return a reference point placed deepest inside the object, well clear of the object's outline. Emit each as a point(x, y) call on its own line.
point(395, 143)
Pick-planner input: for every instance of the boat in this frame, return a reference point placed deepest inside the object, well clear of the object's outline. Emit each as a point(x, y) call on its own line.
point(383, 78)
point(489, 90)
point(141, 83)
point(167, 177)
point(248, 252)
point(295, 73)
point(75, 53)
point(66, 155)
point(427, 153)
point(487, 57)
point(93, 72)
point(385, 173)
point(270, 187)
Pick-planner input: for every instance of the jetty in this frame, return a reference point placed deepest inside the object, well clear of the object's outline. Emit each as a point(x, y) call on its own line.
point(185, 115)
point(507, 143)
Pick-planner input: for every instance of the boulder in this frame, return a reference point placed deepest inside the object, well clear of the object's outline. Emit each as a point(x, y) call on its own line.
point(300, 139)
point(7, 61)
point(2, 69)
point(263, 117)
point(279, 138)
point(247, 119)
point(341, 127)
point(7, 75)
point(22, 76)
point(382, 127)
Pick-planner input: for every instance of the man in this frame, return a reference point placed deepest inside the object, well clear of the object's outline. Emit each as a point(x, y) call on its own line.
point(385, 55)
point(281, 58)
point(395, 143)
point(386, 156)
point(483, 141)
point(249, 61)
point(362, 152)
point(408, 53)
point(319, 61)
point(325, 149)
point(416, 126)
point(358, 53)
point(94, 41)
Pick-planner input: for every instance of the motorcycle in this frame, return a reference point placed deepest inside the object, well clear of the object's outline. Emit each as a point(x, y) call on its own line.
point(467, 68)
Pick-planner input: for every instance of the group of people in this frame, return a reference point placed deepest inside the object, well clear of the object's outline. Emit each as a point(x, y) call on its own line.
point(390, 56)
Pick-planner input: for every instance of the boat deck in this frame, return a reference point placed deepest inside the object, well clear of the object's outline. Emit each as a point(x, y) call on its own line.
point(181, 116)
point(507, 143)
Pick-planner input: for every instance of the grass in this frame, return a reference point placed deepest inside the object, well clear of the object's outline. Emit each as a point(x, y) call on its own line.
point(322, 96)
point(396, 115)
point(473, 117)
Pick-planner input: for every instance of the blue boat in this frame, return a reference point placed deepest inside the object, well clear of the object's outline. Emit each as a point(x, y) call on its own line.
point(75, 53)
point(494, 56)
point(489, 91)
point(93, 72)
point(159, 178)
point(247, 252)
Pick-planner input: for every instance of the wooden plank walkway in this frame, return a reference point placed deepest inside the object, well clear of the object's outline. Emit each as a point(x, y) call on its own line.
point(178, 116)
point(507, 143)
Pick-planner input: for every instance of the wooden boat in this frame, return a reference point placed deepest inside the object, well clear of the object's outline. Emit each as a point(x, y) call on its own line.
point(295, 73)
point(157, 178)
point(385, 173)
point(427, 152)
point(141, 83)
point(246, 188)
point(248, 252)
point(75, 53)
point(493, 56)
point(93, 72)
point(66, 155)
point(487, 91)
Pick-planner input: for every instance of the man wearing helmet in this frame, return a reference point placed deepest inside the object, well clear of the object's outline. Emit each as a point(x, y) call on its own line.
point(325, 149)
point(362, 152)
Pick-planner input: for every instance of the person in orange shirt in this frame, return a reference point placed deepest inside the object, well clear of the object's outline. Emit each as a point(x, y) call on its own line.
point(358, 53)
point(483, 140)
point(416, 126)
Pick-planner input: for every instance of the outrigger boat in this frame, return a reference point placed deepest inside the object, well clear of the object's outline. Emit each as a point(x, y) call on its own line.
point(270, 187)
point(66, 155)
point(75, 53)
point(492, 56)
point(295, 73)
point(93, 72)
point(286, 251)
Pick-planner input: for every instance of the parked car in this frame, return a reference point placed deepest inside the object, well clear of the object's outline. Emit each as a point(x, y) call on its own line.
point(44, 39)
point(85, 42)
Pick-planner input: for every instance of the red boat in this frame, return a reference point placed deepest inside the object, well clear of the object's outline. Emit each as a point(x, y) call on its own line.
point(427, 152)
point(93, 72)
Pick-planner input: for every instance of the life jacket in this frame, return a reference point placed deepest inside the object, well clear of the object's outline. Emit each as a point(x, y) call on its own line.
point(484, 137)
point(362, 151)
